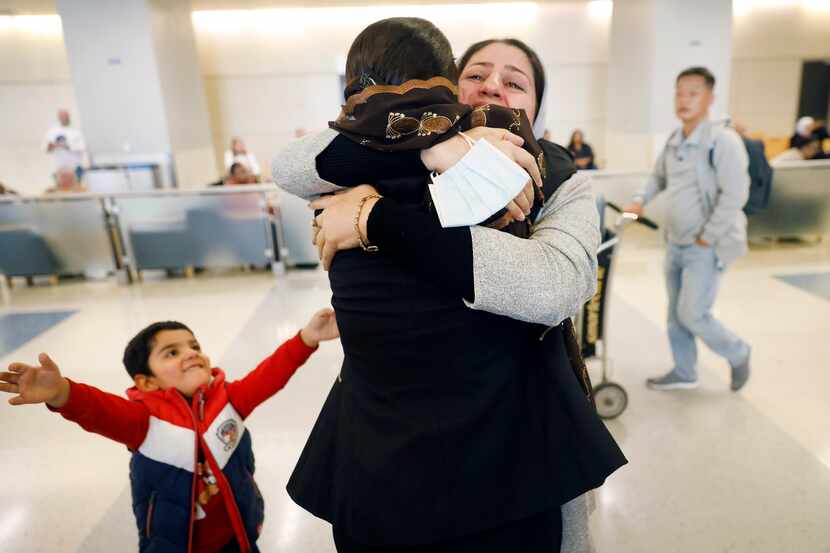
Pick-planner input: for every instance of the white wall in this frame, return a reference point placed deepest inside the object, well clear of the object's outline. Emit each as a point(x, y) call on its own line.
point(651, 41)
point(263, 84)
point(770, 44)
point(689, 34)
point(572, 41)
point(183, 93)
point(116, 77)
point(34, 84)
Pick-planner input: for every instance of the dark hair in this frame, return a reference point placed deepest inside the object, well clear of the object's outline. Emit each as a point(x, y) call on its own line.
point(573, 134)
point(393, 51)
point(699, 71)
point(137, 352)
point(535, 63)
point(234, 166)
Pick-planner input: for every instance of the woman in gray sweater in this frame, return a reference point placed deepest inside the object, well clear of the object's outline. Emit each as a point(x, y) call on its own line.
point(542, 279)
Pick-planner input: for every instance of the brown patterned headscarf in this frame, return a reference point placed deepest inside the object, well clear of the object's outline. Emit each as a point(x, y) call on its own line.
point(419, 114)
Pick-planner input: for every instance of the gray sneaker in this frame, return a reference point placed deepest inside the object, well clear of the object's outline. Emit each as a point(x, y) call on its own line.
point(740, 373)
point(670, 381)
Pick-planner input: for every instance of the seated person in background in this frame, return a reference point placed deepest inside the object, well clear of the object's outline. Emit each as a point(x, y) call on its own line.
point(808, 150)
point(66, 182)
point(582, 151)
point(192, 468)
point(5, 190)
point(239, 154)
point(803, 131)
point(239, 174)
point(820, 132)
point(820, 129)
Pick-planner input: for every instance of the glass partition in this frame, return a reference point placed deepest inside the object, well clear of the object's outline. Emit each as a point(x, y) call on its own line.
point(204, 228)
point(55, 235)
point(296, 225)
point(799, 202)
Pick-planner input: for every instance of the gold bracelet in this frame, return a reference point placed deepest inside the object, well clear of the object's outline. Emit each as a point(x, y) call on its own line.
point(367, 247)
point(470, 142)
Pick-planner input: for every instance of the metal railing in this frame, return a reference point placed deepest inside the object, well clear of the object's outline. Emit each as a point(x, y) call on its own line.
point(125, 233)
point(128, 232)
point(799, 202)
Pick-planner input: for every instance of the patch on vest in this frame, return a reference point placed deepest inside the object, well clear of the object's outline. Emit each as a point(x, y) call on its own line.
point(228, 434)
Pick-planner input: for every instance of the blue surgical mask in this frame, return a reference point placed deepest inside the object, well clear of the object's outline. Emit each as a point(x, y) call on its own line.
point(482, 183)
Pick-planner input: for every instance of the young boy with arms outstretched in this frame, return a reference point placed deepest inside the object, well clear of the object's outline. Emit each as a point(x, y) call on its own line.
point(192, 466)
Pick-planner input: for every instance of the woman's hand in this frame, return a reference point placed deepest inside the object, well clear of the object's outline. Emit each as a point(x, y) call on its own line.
point(335, 229)
point(519, 208)
point(442, 156)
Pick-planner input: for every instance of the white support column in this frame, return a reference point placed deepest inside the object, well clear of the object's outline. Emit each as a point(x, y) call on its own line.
point(651, 41)
point(137, 82)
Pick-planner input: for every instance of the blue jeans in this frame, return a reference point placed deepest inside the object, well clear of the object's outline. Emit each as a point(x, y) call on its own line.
point(693, 275)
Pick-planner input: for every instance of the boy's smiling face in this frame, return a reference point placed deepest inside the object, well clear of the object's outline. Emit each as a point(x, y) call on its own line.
point(176, 361)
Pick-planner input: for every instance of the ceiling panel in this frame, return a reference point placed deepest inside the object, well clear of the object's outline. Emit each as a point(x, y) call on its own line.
point(10, 7)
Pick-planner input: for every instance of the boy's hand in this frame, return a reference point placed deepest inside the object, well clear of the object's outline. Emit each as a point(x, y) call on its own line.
point(321, 327)
point(43, 384)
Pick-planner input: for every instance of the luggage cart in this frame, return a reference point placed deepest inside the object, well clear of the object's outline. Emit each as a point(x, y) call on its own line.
point(611, 399)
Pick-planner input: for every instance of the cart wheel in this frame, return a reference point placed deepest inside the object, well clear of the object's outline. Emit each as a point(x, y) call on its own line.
point(611, 400)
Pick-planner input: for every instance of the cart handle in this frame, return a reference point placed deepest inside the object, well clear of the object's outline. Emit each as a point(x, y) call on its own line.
point(636, 218)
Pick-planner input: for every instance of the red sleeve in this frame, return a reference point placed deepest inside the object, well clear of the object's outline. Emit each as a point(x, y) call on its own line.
point(106, 414)
point(269, 377)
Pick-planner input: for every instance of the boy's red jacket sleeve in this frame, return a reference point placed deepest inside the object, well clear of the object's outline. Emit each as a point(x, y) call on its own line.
point(106, 414)
point(269, 377)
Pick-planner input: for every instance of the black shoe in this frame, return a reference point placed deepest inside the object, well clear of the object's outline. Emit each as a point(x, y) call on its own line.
point(670, 381)
point(740, 373)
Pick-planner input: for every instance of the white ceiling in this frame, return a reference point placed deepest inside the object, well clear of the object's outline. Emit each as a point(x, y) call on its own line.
point(10, 7)
point(251, 4)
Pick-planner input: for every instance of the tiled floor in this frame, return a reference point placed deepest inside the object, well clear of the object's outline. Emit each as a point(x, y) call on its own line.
point(18, 328)
point(710, 471)
point(818, 283)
